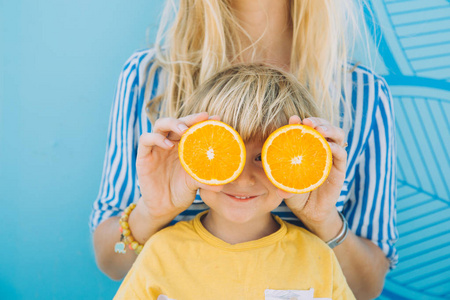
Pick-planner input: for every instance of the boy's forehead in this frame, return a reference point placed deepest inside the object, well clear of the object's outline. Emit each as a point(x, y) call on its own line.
point(253, 145)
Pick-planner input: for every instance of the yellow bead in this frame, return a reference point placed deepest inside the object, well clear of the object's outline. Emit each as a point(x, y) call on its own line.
point(134, 245)
point(126, 232)
point(124, 218)
point(139, 249)
point(132, 206)
point(130, 239)
point(125, 225)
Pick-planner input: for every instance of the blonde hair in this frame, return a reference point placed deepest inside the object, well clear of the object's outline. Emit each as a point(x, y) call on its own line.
point(253, 99)
point(205, 35)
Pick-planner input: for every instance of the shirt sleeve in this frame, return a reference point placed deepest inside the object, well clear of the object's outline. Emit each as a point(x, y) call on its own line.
point(143, 281)
point(371, 210)
point(341, 289)
point(118, 186)
point(136, 284)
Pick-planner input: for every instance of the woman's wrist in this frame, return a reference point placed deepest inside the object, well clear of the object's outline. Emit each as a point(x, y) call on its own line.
point(143, 223)
point(328, 228)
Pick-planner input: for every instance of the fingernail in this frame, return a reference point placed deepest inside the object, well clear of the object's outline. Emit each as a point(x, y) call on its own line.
point(182, 127)
point(168, 143)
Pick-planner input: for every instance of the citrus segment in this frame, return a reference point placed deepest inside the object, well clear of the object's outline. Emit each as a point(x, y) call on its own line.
point(296, 158)
point(212, 152)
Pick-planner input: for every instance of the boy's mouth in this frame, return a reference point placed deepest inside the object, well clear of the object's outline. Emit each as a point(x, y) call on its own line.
point(240, 197)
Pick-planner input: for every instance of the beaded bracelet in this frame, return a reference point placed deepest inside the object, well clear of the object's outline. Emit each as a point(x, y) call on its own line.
point(126, 238)
point(342, 235)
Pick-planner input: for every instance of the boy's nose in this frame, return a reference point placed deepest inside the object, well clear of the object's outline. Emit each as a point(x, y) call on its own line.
point(246, 178)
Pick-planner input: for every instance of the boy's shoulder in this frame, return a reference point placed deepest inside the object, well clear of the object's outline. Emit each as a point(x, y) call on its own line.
point(181, 230)
point(299, 235)
point(167, 240)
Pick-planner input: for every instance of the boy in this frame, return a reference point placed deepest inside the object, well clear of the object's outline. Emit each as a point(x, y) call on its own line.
point(238, 249)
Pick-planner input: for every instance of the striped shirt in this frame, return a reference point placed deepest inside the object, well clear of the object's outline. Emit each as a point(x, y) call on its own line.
point(367, 198)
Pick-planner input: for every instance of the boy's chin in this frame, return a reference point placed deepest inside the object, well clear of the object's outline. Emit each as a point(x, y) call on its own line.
point(243, 217)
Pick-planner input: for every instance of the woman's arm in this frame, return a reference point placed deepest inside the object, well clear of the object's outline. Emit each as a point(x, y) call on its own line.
point(119, 184)
point(363, 263)
point(368, 252)
point(107, 234)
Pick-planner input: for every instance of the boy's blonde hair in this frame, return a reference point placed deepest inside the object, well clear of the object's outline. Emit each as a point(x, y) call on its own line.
point(253, 99)
point(197, 38)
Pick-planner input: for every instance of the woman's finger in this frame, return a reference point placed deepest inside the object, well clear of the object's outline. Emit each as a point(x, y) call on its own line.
point(194, 119)
point(295, 120)
point(173, 128)
point(184, 123)
point(165, 126)
point(149, 140)
point(332, 133)
point(315, 122)
point(215, 117)
point(339, 157)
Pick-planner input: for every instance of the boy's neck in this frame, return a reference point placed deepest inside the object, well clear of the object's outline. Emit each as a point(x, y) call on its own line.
point(235, 233)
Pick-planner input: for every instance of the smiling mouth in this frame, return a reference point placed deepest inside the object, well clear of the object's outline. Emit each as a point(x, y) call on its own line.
point(240, 198)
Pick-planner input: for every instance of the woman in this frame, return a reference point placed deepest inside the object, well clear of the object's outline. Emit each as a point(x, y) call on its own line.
point(308, 38)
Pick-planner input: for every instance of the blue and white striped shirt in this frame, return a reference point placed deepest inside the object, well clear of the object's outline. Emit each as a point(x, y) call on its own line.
point(368, 196)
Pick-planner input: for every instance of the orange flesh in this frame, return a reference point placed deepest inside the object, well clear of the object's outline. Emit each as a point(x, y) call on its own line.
point(212, 153)
point(304, 148)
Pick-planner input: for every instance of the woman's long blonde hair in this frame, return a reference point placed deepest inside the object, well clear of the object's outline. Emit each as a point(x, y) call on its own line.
point(254, 99)
point(203, 39)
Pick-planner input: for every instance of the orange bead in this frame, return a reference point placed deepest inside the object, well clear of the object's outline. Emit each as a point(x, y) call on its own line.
point(126, 232)
point(134, 245)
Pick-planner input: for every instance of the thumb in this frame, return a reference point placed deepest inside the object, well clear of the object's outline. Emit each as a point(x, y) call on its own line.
point(296, 202)
point(283, 194)
point(212, 188)
point(195, 185)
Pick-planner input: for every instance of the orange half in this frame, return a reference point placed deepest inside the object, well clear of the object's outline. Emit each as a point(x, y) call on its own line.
point(296, 158)
point(212, 152)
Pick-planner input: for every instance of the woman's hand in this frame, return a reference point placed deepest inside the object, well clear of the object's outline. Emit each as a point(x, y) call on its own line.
point(166, 188)
point(317, 209)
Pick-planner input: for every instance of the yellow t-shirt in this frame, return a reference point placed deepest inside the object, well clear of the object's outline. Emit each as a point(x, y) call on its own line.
point(185, 261)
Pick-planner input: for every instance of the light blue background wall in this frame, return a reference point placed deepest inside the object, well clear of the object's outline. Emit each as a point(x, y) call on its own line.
point(59, 64)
